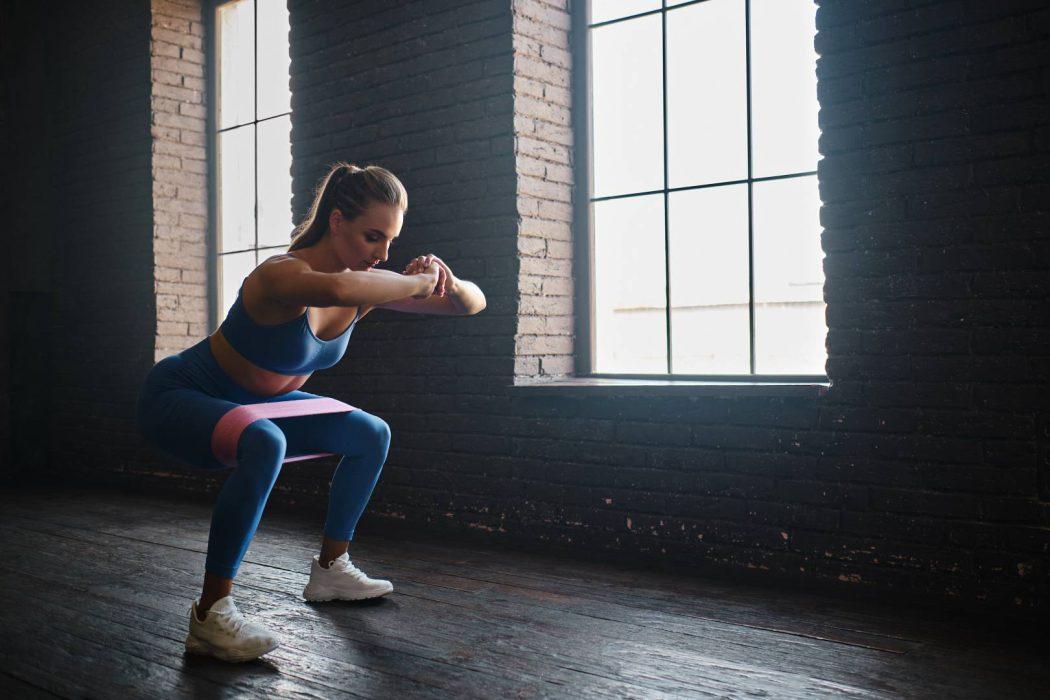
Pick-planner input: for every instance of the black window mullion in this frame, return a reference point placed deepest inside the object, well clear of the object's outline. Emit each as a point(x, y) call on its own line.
point(707, 185)
point(626, 18)
point(666, 195)
point(750, 188)
point(254, 121)
point(212, 264)
point(255, 117)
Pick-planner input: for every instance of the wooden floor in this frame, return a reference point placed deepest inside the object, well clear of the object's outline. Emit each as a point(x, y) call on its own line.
point(96, 588)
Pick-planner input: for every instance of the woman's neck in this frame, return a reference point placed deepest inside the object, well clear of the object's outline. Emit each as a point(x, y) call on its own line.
point(320, 256)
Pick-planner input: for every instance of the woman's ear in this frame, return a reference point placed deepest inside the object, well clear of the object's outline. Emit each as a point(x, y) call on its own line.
point(335, 218)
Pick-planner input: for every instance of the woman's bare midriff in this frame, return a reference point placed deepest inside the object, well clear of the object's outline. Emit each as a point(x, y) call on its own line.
point(249, 375)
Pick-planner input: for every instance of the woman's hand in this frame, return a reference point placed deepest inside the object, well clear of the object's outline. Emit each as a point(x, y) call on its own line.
point(433, 277)
point(447, 279)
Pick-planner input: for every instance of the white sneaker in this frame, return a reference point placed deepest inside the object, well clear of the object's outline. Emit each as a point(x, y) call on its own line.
point(342, 581)
point(226, 634)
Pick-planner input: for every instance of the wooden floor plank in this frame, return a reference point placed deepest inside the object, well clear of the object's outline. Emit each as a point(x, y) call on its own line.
point(516, 641)
point(127, 628)
point(161, 614)
point(317, 633)
point(481, 622)
point(74, 666)
point(807, 659)
point(12, 685)
point(723, 667)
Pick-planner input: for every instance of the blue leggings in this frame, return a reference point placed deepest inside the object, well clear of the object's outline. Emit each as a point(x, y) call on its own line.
point(185, 395)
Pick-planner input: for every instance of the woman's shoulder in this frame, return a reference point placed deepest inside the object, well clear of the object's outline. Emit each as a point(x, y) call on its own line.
point(275, 265)
point(287, 258)
point(254, 292)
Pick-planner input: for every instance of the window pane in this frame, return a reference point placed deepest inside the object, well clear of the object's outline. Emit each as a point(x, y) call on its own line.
point(236, 67)
point(783, 87)
point(233, 268)
point(789, 278)
point(275, 96)
point(629, 289)
point(710, 315)
point(627, 107)
point(236, 189)
point(706, 93)
point(275, 181)
point(603, 10)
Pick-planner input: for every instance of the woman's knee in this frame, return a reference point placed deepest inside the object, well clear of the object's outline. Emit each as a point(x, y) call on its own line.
point(262, 442)
point(371, 428)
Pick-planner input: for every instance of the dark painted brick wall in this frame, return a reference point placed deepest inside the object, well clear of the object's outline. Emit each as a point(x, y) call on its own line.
point(100, 150)
point(919, 471)
point(935, 123)
point(425, 89)
point(25, 314)
point(8, 53)
point(76, 179)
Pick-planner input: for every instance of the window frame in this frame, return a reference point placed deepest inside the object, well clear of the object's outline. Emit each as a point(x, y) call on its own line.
point(213, 264)
point(583, 219)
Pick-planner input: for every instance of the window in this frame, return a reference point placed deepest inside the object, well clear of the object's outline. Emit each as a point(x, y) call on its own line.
point(252, 125)
point(703, 202)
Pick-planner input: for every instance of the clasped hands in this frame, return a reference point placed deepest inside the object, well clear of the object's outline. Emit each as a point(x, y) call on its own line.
point(431, 264)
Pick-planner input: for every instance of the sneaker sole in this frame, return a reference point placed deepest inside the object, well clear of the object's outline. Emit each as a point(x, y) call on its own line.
point(203, 648)
point(315, 596)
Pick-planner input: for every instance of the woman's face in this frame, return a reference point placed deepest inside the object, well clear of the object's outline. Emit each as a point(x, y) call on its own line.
point(365, 242)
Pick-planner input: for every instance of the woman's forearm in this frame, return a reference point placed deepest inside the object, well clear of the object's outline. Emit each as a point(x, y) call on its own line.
point(466, 296)
point(368, 288)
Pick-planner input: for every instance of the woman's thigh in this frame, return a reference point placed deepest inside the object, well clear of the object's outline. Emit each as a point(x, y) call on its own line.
point(181, 421)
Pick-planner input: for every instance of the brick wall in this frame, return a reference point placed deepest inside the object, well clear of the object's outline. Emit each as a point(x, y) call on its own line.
point(99, 109)
point(25, 197)
point(934, 180)
point(543, 149)
point(7, 58)
point(180, 176)
point(425, 90)
point(916, 473)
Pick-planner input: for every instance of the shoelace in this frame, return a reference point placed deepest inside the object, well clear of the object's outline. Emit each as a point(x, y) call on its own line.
point(232, 621)
point(357, 572)
point(348, 566)
point(231, 624)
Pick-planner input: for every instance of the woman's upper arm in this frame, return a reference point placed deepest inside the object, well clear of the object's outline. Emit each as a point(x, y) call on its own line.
point(293, 282)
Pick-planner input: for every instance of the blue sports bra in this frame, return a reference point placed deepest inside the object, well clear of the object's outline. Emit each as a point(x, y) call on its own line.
point(286, 348)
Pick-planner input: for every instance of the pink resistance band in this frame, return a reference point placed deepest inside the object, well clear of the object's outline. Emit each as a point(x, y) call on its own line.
point(229, 428)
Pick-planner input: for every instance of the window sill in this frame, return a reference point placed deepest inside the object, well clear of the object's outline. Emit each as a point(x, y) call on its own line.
point(600, 386)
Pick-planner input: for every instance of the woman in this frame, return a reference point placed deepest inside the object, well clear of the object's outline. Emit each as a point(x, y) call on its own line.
point(293, 314)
